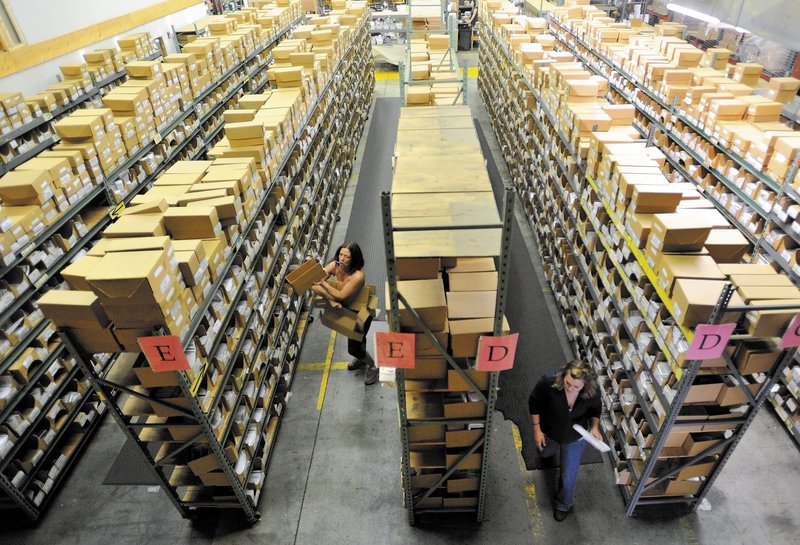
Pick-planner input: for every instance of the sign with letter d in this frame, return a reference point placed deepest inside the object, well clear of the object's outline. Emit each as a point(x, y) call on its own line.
point(497, 353)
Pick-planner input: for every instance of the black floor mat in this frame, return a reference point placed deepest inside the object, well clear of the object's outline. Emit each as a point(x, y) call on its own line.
point(375, 175)
point(130, 468)
point(538, 351)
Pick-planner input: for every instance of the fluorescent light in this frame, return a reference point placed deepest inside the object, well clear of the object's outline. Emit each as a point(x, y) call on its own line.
point(692, 13)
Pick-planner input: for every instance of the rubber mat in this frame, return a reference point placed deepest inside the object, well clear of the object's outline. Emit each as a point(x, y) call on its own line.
point(375, 175)
point(129, 467)
point(538, 351)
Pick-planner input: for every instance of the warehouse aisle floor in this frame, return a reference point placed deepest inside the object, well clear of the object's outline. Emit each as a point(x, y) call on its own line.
point(334, 477)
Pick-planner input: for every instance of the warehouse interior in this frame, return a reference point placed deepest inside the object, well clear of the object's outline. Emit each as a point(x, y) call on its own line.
point(334, 470)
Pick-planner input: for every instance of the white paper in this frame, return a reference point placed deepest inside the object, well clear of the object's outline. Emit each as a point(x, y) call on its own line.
point(599, 445)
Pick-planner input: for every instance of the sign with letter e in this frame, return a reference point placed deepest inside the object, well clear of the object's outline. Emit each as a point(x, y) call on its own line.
point(496, 353)
point(709, 341)
point(164, 353)
point(395, 350)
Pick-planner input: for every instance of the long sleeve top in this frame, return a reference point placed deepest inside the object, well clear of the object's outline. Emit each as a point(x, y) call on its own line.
point(555, 417)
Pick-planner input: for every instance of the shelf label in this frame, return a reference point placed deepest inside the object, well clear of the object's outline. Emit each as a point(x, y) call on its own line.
point(56, 139)
point(395, 350)
point(47, 116)
point(158, 138)
point(164, 353)
point(791, 338)
point(709, 341)
point(496, 353)
point(198, 379)
point(116, 212)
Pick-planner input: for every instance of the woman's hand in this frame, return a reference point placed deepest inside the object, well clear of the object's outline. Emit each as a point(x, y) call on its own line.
point(595, 431)
point(336, 304)
point(538, 438)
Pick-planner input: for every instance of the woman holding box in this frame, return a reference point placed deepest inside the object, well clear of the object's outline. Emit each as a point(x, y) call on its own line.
point(348, 271)
point(557, 402)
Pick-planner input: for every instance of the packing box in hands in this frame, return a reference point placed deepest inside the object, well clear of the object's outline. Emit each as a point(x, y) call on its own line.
point(351, 320)
point(306, 275)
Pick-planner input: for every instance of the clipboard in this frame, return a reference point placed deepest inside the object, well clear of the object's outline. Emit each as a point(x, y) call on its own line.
point(599, 445)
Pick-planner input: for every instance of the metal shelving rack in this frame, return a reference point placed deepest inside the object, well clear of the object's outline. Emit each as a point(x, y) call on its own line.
point(200, 428)
point(46, 122)
point(433, 494)
point(575, 226)
point(451, 28)
point(88, 218)
point(629, 89)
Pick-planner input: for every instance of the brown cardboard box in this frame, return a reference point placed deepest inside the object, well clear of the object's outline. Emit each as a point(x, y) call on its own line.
point(427, 298)
point(771, 323)
point(469, 409)
point(756, 356)
point(726, 245)
point(306, 275)
point(423, 268)
point(192, 222)
point(75, 309)
point(427, 369)
point(672, 266)
point(655, 198)
point(731, 394)
point(150, 379)
point(96, 341)
point(471, 304)
point(678, 232)
point(464, 335)
point(472, 264)
point(694, 299)
point(131, 277)
point(455, 383)
point(75, 274)
point(477, 281)
point(139, 225)
point(423, 347)
point(745, 268)
point(775, 280)
point(704, 392)
point(764, 293)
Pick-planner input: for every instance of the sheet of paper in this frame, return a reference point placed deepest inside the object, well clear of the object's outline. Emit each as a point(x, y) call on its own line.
point(599, 445)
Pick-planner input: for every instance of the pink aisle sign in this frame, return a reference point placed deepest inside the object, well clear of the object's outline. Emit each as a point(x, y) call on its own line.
point(395, 350)
point(496, 353)
point(709, 341)
point(164, 353)
point(792, 336)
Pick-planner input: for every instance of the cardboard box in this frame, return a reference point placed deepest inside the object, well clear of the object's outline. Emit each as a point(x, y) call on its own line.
point(464, 335)
point(471, 304)
point(775, 280)
point(150, 379)
point(745, 268)
point(673, 266)
point(96, 341)
point(139, 225)
point(756, 356)
point(128, 338)
point(726, 245)
point(73, 309)
point(427, 368)
point(306, 275)
point(771, 323)
point(131, 277)
point(427, 297)
point(477, 281)
point(694, 299)
point(423, 268)
point(765, 293)
point(678, 232)
point(423, 347)
point(26, 187)
point(472, 264)
point(75, 274)
point(455, 383)
point(192, 222)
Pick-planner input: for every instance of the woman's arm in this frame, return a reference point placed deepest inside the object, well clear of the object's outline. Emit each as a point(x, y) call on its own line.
point(538, 436)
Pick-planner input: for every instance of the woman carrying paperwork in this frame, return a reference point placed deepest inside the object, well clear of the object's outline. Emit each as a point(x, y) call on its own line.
point(558, 401)
point(348, 270)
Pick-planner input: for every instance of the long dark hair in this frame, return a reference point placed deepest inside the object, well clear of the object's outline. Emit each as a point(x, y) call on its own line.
point(581, 370)
point(356, 257)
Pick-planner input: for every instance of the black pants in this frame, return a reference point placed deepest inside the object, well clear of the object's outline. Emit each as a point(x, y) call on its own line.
point(358, 349)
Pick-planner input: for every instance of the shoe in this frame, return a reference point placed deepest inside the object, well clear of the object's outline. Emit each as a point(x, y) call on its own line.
point(357, 363)
point(561, 515)
point(371, 375)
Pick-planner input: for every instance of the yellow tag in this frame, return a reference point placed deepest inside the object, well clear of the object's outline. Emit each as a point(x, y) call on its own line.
point(116, 212)
point(198, 379)
point(158, 138)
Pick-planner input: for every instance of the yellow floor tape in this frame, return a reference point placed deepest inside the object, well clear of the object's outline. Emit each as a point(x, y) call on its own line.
point(530, 490)
point(326, 371)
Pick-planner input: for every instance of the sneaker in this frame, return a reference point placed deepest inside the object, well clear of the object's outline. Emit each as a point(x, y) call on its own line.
point(357, 363)
point(371, 375)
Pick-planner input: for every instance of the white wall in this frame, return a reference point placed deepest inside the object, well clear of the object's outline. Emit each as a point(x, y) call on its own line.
point(40, 20)
point(36, 78)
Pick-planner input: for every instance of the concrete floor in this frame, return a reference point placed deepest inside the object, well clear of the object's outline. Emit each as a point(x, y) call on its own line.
point(335, 477)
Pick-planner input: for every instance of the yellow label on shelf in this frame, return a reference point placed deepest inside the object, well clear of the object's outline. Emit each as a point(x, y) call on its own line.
point(158, 138)
point(116, 212)
point(198, 379)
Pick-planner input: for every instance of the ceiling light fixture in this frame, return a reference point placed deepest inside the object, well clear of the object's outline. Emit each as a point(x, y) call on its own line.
point(692, 13)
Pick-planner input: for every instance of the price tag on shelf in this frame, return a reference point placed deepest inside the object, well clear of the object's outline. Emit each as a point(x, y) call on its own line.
point(56, 139)
point(47, 116)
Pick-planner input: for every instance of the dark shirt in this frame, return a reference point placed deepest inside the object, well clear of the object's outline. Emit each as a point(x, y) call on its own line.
point(555, 418)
